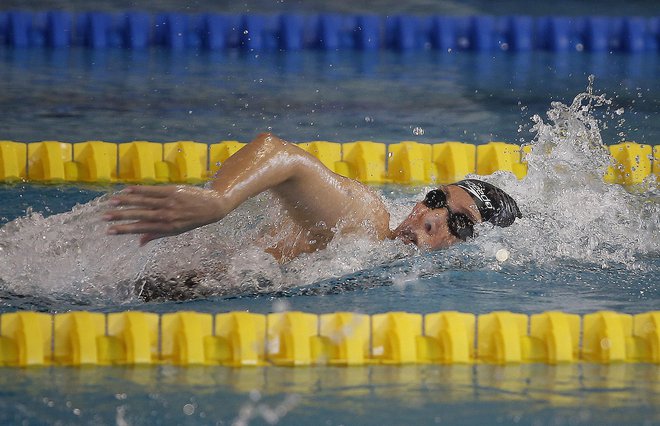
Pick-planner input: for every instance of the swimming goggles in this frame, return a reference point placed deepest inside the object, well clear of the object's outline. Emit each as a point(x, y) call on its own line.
point(460, 225)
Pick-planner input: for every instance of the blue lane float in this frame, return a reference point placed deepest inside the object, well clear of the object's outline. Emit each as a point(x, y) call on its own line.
point(95, 30)
point(328, 31)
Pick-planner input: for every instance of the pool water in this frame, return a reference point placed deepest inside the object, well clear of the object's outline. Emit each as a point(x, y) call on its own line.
point(527, 395)
point(77, 94)
point(581, 246)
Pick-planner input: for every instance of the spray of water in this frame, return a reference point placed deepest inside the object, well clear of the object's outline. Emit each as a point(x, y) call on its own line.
point(254, 409)
point(569, 210)
point(570, 213)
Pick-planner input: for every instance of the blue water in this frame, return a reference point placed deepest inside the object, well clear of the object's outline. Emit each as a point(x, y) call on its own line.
point(76, 94)
point(527, 395)
point(582, 246)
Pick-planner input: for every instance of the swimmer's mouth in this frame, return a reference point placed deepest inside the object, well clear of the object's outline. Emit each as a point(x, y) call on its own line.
point(407, 236)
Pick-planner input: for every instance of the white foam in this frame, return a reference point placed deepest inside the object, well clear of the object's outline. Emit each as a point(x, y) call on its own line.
point(569, 211)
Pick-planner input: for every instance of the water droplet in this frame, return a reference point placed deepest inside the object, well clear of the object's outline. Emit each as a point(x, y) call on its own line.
point(502, 255)
point(188, 409)
point(280, 306)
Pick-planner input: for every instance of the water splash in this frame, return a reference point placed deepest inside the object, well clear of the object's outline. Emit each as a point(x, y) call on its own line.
point(569, 211)
point(64, 254)
point(255, 409)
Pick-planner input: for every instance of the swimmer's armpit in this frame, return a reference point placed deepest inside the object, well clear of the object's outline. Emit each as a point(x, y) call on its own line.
point(160, 211)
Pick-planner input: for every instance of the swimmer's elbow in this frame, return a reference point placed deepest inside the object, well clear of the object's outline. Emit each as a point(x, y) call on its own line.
point(268, 142)
point(294, 170)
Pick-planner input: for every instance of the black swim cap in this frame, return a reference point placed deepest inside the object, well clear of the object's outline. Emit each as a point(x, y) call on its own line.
point(495, 205)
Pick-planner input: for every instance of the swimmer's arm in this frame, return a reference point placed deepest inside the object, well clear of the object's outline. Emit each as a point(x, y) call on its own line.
point(313, 195)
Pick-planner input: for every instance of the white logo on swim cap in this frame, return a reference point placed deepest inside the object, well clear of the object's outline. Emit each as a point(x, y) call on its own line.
point(478, 191)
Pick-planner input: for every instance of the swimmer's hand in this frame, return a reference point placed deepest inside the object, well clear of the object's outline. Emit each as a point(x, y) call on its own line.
point(160, 211)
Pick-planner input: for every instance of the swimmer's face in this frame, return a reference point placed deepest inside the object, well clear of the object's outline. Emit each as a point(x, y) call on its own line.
point(429, 228)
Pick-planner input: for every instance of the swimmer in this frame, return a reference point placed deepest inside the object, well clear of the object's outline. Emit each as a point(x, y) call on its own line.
point(317, 201)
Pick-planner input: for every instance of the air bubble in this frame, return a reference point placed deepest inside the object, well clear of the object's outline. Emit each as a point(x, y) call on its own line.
point(418, 131)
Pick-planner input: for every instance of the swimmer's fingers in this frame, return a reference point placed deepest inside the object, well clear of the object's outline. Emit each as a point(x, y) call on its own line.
point(143, 196)
point(147, 215)
point(155, 212)
point(152, 191)
point(133, 200)
point(150, 230)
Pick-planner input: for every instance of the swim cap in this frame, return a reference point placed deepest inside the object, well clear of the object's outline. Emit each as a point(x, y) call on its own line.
point(495, 205)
